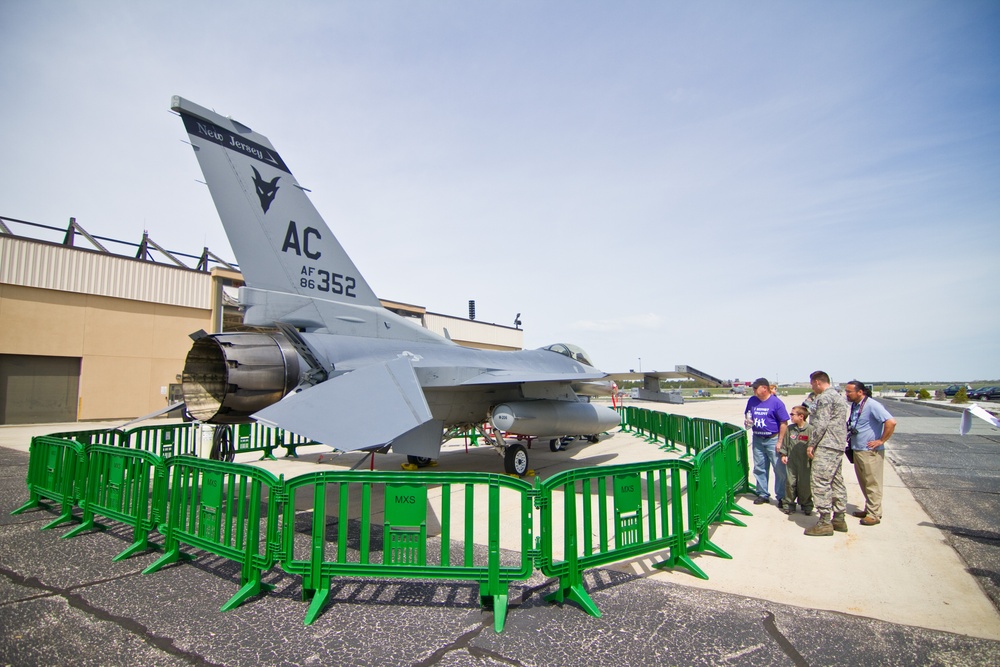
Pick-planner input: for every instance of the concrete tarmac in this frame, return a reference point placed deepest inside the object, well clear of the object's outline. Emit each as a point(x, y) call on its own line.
point(900, 593)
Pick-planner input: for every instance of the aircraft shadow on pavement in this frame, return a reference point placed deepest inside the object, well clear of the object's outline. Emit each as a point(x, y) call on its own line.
point(987, 537)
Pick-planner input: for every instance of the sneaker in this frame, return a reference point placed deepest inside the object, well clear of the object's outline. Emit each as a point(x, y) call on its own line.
point(821, 529)
point(760, 500)
point(870, 521)
point(839, 523)
point(787, 509)
point(860, 514)
point(807, 511)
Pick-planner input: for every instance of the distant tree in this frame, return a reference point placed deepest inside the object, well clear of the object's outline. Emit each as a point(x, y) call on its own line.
point(910, 393)
point(924, 395)
point(961, 396)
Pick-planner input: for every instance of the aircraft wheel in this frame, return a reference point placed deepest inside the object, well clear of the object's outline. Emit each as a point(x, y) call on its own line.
point(555, 444)
point(222, 444)
point(419, 461)
point(515, 460)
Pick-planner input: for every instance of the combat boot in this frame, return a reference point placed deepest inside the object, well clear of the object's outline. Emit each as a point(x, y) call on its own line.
point(839, 523)
point(823, 528)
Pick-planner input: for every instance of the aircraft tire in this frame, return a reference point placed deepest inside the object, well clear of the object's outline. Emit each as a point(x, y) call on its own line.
point(555, 444)
point(419, 461)
point(515, 460)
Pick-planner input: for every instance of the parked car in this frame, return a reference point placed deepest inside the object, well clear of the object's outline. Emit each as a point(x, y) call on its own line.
point(952, 389)
point(979, 392)
point(988, 394)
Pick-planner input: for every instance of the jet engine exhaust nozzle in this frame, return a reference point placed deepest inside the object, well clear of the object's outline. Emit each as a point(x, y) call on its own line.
point(227, 377)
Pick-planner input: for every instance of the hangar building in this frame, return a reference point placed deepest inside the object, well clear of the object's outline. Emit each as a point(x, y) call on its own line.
point(87, 334)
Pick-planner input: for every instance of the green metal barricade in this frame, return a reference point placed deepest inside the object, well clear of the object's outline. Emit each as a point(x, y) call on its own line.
point(704, 432)
point(420, 525)
point(256, 437)
point(715, 486)
point(661, 422)
point(396, 546)
point(101, 436)
point(630, 417)
point(219, 507)
point(679, 432)
point(632, 509)
point(125, 485)
point(56, 472)
point(164, 440)
point(737, 457)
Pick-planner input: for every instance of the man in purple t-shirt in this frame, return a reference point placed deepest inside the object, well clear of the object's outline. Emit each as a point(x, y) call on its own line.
point(767, 416)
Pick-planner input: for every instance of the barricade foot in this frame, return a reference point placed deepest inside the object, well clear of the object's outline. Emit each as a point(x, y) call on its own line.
point(499, 612)
point(31, 504)
point(250, 589)
point(171, 556)
point(88, 524)
point(578, 594)
point(682, 561)
point(705, 544)
point(141, 545)
point(318, 602)
point(726, 516)
point(742, 510)
point(62, 518)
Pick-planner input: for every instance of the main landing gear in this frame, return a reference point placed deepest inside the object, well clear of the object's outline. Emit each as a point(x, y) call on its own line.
point(515, 460)
point(419, 461)
point(515, 455)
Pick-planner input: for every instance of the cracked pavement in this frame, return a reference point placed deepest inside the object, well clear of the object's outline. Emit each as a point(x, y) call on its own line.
point(66, 602)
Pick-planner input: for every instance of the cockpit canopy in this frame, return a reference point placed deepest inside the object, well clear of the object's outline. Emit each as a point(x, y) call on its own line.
point(571, 351)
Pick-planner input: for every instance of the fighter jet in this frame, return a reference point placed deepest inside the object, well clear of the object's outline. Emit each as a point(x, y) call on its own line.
point(336, 366)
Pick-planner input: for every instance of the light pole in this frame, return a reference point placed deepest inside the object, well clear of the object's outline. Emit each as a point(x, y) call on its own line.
point(640, 364)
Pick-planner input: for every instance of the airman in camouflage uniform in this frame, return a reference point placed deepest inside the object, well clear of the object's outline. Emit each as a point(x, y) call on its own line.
point(829, 422)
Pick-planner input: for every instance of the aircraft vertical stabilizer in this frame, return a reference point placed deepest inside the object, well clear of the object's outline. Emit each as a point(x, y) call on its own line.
point(281, 243)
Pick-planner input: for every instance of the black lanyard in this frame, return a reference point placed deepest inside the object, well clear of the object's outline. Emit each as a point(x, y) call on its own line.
point(852, 423)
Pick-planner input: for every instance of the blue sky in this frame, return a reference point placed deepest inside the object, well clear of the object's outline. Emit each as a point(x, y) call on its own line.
point(748, 188)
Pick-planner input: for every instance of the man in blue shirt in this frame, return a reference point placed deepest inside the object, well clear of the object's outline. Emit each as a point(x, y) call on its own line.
point(767, 416)
point(869, 426)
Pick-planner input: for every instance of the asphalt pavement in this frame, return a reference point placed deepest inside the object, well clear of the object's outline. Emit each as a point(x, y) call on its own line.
point(64, 602)
point(957, 481)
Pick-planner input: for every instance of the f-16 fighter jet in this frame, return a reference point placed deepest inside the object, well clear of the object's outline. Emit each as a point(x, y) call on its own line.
point(338, 367)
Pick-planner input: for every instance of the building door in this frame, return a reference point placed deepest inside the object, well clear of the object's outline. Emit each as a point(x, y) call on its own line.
point(37, 390)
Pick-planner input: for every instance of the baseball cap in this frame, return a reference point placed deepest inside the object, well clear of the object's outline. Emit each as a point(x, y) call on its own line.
point(761, 382)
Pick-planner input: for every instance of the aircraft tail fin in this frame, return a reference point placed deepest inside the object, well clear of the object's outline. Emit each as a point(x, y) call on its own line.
point(280, 241)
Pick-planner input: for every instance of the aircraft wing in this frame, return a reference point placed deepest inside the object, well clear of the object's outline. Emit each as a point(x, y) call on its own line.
point(517, 377)
point(368, 407)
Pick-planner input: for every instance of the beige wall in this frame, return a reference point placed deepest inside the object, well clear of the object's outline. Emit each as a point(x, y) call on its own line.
point(129, 349)
point(473, 333)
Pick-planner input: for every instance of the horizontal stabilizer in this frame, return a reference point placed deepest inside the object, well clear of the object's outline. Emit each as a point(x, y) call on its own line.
point(423, 441)
point(369, 407)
